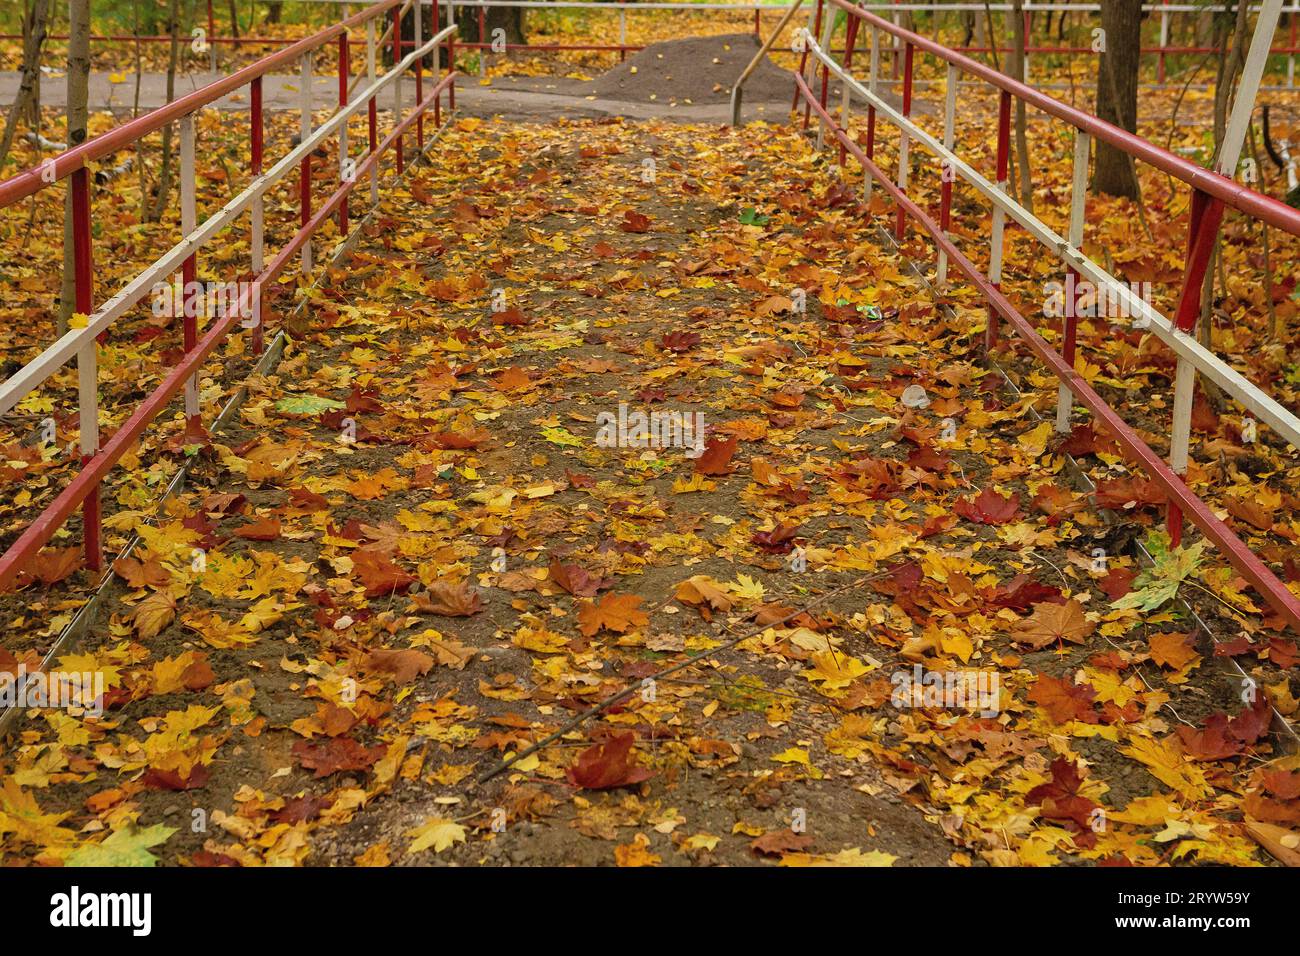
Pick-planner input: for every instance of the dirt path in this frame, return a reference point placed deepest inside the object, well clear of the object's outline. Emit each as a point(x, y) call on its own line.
point(535, 99)
point(414, 555)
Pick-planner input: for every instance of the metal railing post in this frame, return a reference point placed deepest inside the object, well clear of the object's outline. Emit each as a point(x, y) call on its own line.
point(828, 29)
point(87, 362)
point(256, 240)
point(873, 71)
point(947, 174)
point(304, 178)
point(999, 214)
point(419, 74)
point(192, 296)
point(372, 118)
point(1078, 214)
point(846, 98)
point(345, 70)
point(904, 142)
point(397, 88)
point(813, 29)
point(437, 66)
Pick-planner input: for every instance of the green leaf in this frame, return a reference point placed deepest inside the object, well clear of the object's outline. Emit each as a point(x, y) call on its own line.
point(126, 847)
point(750, 217)
point(1160, 582)
point(307, 404)
point(559, 435)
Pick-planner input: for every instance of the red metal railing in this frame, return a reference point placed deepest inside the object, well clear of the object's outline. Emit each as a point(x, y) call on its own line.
point(98, 460)
point(1211, 194)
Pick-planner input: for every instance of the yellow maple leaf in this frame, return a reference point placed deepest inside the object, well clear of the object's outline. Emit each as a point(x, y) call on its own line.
point(437, 833)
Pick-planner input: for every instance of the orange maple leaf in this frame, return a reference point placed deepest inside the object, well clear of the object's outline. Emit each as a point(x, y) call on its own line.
point(615, 612)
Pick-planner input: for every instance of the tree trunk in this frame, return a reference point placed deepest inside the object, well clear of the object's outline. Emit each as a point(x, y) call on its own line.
point(509, 19)
point(1231, 61)
point(1117, 78)
point(273, 11)
point(1016, 68)
point(1230, 65)
point(34, 32)
point(78, 114)
point(165, 178)
point(234, 20)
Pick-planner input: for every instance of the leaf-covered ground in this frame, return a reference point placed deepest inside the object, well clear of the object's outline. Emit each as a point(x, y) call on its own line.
point(411, 559)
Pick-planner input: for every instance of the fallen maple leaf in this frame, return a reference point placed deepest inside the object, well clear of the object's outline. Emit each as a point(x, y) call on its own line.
point(436, 833)
point(634, 221)
point(779, 842)
point(263, 529)
point(576, 579)
point(607, 765)
point(1173, 650)
point(51, 565)
point(154, 613)
point(1064, 701)
point(378, 572)
point(616, 612)
point(450, 600)
point(403, 665)
point(780, 540)
point(338, 753)
point(989, 507)
point(1053, 622)
point(1060, 799)
point(716, 457)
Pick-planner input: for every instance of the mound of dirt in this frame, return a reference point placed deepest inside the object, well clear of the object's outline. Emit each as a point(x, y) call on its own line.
point(698, 69)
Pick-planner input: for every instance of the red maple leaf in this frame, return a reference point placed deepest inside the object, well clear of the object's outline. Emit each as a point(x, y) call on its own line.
point(1210, 742)
point(172, 779)
point(1063, 700)
point(927, 459)
point(1060, 799)
point(1122, 492)
point(679, 342)
point(989, 507)
point(716, 458)
point(634, 221)
point(576, 579)
point(1283, 784)
point(1282, 652)
point(780, 540)
point(338, 753)
point(607, 765)
point(1022, 592)
point(1117, 582)
point(378, 572)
